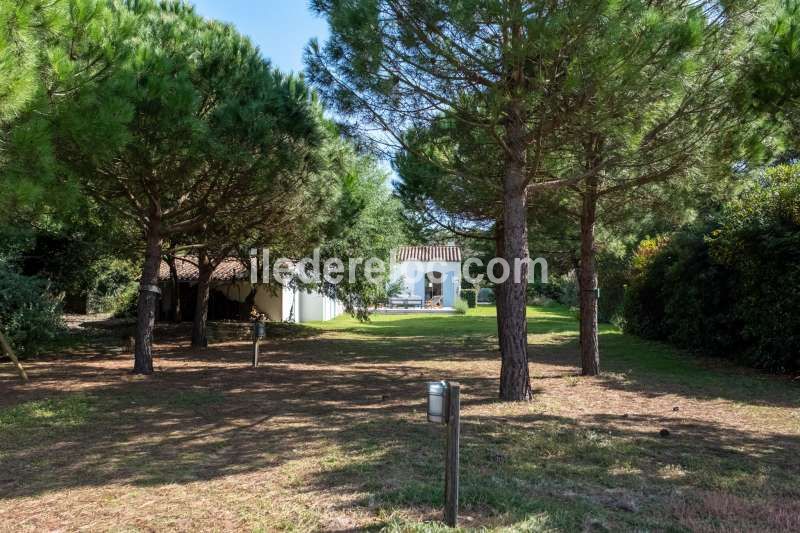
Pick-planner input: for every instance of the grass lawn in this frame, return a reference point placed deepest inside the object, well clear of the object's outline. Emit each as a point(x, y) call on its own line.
point(330, 434)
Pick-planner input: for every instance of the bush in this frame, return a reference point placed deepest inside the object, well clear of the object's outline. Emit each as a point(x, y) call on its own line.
point(732, 288)
point(487, 295)
point(542, 301)
point(461, 306)
point(612, 274)
point(114, 285)
point(683, 297)
point(126, 302)
point(539, 290)
point(30, 316)
point(568, 289)
point(470, 296)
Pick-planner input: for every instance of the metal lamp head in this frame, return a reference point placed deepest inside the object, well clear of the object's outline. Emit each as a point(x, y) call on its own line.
point(437, 402)
point(259, 330)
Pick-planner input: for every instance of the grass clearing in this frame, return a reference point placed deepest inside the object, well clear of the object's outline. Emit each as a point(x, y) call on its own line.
point(330, 434)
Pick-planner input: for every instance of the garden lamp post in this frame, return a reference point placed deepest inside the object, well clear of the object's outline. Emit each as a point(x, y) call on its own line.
point(444, 407)
point(259, 331)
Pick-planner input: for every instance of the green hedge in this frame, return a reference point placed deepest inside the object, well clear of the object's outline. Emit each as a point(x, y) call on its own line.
point(731, 288)
point(470, 296)
point(486, 295)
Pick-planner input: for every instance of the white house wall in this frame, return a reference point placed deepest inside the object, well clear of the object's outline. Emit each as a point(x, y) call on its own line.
point(409, 271)
point(312, 307)
point(290, 305)
point(316, 307)
point(267, 299)
point(284, 304)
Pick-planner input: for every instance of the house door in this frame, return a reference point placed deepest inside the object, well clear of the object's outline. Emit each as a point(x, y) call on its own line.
point(433, 285)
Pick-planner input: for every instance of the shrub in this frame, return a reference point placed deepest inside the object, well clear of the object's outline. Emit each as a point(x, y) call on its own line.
point(487, 295)
point(612, 274)
point(541, 301)
point(126, 301)
point(643, 308)
point(759, 241)
point(538, 290)
point(461, 306)
point(30, 316)
point(683, 297)
point(568, 289)
point(731, 288)
point(114, 283)
point(562, 289)
point(470, 296)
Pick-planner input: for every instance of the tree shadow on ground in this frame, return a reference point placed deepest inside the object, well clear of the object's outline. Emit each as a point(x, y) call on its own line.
point(653, 369)
point(351, 410)
point(540, 465)
point(202, 417)
point(650, 368)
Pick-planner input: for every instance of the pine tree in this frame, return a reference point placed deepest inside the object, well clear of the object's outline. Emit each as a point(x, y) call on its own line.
point(191, 124)
point(524, 73)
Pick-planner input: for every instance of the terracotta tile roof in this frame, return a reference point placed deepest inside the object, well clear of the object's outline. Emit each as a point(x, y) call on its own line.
point(428, 253)
point(229, 269)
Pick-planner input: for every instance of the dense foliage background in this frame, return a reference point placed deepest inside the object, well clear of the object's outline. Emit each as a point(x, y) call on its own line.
point(729, 286)
point(29, 312)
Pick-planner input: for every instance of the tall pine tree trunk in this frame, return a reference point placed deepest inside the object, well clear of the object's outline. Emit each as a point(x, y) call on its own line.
point(176, 288)
point(587, 283)
point(500, 250)
point(148, 297)
point(200, 323)
point(514, 374)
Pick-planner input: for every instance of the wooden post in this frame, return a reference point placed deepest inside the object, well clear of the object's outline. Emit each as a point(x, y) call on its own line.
point(6, 347)
point(452, 455)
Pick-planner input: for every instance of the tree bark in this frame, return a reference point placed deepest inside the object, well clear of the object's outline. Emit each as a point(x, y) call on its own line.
point(148, 297)
point(587, 283)
point(513, 333)
point(177, 316)
point(500, 251)
point(200, 323)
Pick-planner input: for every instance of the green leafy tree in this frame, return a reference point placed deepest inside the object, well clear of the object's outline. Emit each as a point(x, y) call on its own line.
point(289, 216)
point(20, 38)
point(494, 65)
point(524, 73)
point(49, 51)
point(770, 86)
point(368, 224)
point(179, 130)
point(661, 115)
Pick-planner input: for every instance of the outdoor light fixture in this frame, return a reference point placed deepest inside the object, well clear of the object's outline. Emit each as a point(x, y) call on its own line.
point(437, 412)
point(259, 332)
point(444, 407)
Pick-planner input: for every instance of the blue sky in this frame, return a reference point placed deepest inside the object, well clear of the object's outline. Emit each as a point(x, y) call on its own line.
point(280, 28)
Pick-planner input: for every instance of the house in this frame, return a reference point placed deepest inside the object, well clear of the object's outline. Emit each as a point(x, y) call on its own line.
point(232, 295)
point(427, 272)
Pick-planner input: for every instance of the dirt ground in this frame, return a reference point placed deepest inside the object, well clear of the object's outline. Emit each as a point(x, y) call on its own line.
point(329, 433)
